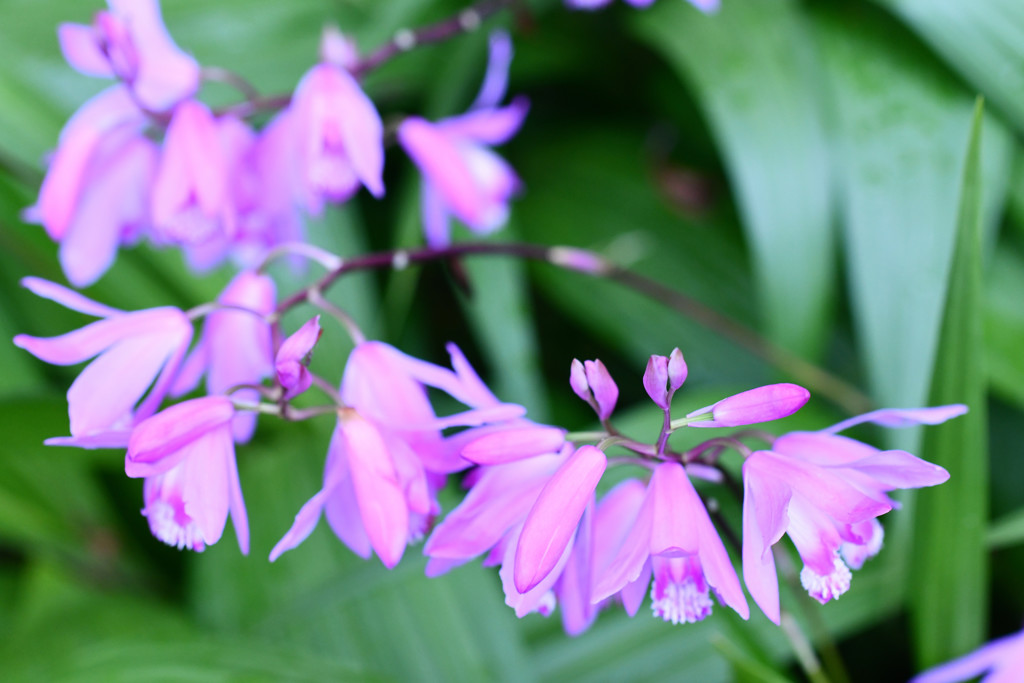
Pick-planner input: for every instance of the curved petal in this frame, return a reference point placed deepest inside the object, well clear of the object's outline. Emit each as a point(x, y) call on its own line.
point(80, 47)
point(206, 488)
point(499, 57)
point(363, 134)
point(68, 298)
point(553, 519)
point(765, 519)
point(507, 444)
point(899, 418)
point(675, 505)
point(488, 126)
point(164, 435)
point(305, 521)
point(986, 658)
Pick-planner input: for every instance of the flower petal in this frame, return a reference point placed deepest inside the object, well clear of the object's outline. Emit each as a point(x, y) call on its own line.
point(899, 418)
point(762, 404)
point(553, 518)
point(507, 444)
point(163, 436)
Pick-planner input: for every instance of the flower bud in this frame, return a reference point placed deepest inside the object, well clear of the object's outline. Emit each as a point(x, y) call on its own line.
point(762, 404)
point(591, 382)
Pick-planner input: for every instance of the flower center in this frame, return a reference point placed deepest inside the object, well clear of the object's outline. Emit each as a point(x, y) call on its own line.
point(173, 527)
point(680, 601)
point(829, 586)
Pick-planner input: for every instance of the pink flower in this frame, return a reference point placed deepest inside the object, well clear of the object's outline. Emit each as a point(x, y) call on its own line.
point(191, 202)
point(461, 176)
point(235, 346)
point(1000, 661)
point(673, 539)
point(762, 404)
point(592, 383)
point(388, 457)
point(338, 136)
point(132, 350)
point(131, 43)
point(292, 361)
point(825, 491)
point(706, 6)
point(95, 194)
point(187, 455)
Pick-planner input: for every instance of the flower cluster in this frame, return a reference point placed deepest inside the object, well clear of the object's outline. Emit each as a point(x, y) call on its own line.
point(146, 158)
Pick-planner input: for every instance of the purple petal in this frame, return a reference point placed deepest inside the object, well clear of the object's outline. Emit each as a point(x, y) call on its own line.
point(765, 501)
point(578, 381)
point(236, 505)
point(632, 556)
point(110, 439)
point(552, 520)
point(342, 506)
point(540, 598)
point(513, 444)
point(499, 57)
point(822, 449)
point(762, 404)
point(676, 370)
point(67, 297)
point(305, 521)
point(714, 559)
point(59, 194)
point(472, 390)
point(487, 126)
point(656, 380)
point(80, 47)
point(606, 393)
point(363, 134)
point(574, 583)
point(165, 73)
point(901, 470)
point(162, 437)
point(998, 656)
point(292, 359)
point(899, 418)
point(207, 481)
point(436, 219)
point(675, 503)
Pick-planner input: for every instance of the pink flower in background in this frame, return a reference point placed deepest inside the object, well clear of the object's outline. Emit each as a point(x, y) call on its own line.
point(1000, 661)
point(825, 491)
point(95, 194)
point(338, 137)
point(132, 350)
point(461, 176)
point(388, 457)
point(673, 540)
point(292, 361)
point(187, 455)
point(235, 346)
point(191, 202)
point(131, 43)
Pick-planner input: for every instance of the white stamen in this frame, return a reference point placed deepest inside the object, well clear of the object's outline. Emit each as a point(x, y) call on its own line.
point(830, 586)
point(682, 602)
point(165, 527)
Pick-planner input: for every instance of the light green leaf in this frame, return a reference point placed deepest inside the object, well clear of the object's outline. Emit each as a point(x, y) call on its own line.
point(900, 124)
point(755, 74)
point(950, 562)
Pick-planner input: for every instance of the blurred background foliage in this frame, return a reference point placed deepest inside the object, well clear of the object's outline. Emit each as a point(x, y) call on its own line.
point(817, 171)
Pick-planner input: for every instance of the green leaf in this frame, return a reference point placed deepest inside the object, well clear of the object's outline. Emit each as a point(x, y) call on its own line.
point(1006, 531)
point(981, 39)
point(949, 591)
point(900, 121)
point(751, 66)
point(1004, 326)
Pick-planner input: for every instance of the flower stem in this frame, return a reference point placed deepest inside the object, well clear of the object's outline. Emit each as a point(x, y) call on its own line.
point(468, 19)
point(843, 394)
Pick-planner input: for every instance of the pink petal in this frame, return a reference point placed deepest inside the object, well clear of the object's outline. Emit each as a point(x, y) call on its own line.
point(512, 444)
point(896, 418)
point(207, 481)
point(765, 501)
point(656, 380)
point(552, 520)
point(675, 503)
point(574, 583)
point(363, 134)
point(487, 126)
point(342, 505)
point(822, 449)
point(996, 656)
point(291, 363)
point(762, 404)
point(67, 297)
point(80, 46)
point(606, 393)
point(499, 57)
point(163, 436)
point(632, 556)
point(533, 600)
point(381, 498)
point(436, 220)
point(901, 470)
point(305, 521)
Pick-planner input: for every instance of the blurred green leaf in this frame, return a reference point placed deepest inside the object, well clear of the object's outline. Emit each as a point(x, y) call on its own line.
point(755, 74)
point(983, 40)
point(950, 562)
point(1004, 326)
point(1006, 531)
point(900, 125)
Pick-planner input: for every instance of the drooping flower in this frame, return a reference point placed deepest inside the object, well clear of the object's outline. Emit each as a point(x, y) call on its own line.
point(191, 202)
point(131, 43)
point(388, 456)
point(95, 193)
point(338, 137)
point(461, 176)
point(825, 492)
point(187, 455)
point(235, 346)
point(672, 539)
point(132, 350)
point(1000, 661)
